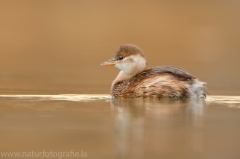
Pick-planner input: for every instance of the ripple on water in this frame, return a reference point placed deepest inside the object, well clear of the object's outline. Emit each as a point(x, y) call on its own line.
point(67, 97)
point(92, 97)
point(229, 101)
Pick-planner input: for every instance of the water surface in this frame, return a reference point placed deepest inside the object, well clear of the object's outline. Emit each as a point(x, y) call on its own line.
point(53, 90)
point(108, 128)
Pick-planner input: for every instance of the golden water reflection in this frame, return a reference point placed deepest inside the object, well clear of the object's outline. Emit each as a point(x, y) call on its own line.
point(121, 128)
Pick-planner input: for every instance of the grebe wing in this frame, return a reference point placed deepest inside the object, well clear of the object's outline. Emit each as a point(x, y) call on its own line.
point(179, 72)
point(160, 85)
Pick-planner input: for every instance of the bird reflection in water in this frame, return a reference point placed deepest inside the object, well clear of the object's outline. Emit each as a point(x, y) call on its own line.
point(140, 122)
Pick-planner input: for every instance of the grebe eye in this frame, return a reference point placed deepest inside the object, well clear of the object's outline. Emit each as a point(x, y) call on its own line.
point(120, 57)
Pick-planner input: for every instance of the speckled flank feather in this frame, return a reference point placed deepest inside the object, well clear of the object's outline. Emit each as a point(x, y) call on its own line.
point(160, 82)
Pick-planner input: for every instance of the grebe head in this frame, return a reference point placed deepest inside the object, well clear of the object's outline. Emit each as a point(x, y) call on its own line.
point(129, 58)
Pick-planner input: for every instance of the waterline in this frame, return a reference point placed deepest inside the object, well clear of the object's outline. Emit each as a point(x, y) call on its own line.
point(92, 97)
point(67, 97)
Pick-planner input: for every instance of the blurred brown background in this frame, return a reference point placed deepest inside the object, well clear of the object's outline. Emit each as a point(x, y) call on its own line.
point(56, 46)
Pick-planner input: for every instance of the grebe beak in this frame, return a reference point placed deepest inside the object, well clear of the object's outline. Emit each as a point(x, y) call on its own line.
point(110, 62)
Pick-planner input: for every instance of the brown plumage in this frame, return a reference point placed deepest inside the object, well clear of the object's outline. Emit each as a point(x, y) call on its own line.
point(135, 80)
point(144, 84)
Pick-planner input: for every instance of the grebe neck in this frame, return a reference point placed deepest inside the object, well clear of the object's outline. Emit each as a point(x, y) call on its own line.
point(122, 76)
point(130, 66)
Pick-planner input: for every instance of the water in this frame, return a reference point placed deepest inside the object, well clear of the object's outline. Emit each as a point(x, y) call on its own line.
point(106, 128)
point(48, 48)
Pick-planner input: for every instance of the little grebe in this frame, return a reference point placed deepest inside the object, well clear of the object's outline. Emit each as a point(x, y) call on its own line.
point(136, 80)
